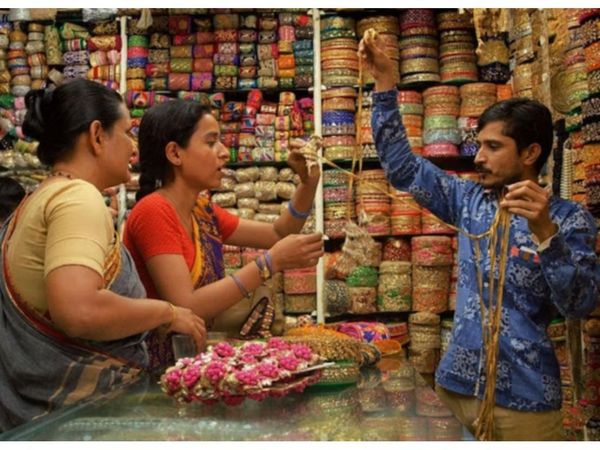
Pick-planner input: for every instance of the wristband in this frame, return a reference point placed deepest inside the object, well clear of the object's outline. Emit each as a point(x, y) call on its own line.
point(297, 214)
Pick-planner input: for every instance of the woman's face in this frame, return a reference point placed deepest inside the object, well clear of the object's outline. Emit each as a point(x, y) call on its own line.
point(205, 155)
point(120, 149)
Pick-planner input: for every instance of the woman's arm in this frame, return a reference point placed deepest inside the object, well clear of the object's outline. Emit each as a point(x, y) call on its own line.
point(255, 234)
point(251, 233)
point(80, 306)
point(171, 275)
point(171, 278)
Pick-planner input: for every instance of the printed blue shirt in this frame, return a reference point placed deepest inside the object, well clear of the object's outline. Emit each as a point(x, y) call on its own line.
point(565, 275)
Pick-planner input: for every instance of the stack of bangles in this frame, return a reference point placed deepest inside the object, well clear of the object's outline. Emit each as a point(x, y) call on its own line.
point(418, 47)
point(265, 269)
point(265, 266)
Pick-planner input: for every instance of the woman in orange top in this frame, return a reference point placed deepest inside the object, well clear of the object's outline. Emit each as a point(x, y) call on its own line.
point(176, 235)
point(74, 312)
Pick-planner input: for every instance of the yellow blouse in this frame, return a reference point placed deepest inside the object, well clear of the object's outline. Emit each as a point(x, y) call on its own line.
point(63, 223)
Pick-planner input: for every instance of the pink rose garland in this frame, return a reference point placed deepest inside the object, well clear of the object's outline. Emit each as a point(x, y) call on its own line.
point(254, 370)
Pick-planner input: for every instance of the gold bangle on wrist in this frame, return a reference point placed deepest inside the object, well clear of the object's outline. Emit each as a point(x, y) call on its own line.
point(166, 327)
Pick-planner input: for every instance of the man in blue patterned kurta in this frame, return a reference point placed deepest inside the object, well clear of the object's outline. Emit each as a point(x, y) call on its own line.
point(551, 265)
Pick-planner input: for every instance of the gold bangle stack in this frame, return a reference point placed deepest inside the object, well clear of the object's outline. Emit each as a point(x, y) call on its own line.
point(381, 24)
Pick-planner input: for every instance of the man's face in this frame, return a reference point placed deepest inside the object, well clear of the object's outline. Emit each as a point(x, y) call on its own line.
point(497, 161)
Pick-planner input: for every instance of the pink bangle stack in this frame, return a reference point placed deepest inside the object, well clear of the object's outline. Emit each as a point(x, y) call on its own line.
point(397, 250)
point(432, 251)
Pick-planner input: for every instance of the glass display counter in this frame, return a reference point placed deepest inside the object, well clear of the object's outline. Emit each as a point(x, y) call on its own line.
point(390, 402)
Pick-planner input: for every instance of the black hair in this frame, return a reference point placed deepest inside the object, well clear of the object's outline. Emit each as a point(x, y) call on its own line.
point(56, 118)
point(525, 121)
point(172, 121)
point(11, 194)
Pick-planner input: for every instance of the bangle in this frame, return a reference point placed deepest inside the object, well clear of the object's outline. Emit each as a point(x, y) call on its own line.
point(263, 270)
point(269, 262)
point(240, 286)
point(167, 326)
point(297, 214)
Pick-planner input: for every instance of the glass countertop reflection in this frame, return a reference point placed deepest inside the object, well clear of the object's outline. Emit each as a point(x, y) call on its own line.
point(390, 402)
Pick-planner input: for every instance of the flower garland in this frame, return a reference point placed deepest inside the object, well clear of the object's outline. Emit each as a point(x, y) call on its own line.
point(255, 370)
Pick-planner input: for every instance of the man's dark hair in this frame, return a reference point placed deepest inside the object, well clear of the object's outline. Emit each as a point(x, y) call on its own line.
point(525, 121)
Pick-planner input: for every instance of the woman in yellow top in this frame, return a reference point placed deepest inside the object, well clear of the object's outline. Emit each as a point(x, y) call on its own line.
point(72, 308)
